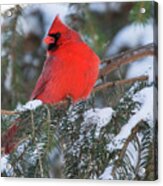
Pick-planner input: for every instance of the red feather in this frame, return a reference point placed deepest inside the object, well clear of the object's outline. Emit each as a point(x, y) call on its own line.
point(71, 68)
point(8, 139)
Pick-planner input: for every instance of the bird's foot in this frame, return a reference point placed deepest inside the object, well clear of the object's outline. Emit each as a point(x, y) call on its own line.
point(92, 103)
point(69, 101)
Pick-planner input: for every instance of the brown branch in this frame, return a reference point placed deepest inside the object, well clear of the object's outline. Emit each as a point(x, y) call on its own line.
point(96, 89)
point(9, 112)
point(112, 64)
point(119, 82)
point(126, 57)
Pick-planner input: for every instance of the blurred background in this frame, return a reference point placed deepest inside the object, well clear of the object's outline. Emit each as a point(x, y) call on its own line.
point(108, 28)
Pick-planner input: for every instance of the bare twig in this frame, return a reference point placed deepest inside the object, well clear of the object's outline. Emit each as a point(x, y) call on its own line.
point(22, 154)
point(9, 112)
point(126, 57)
point(33, 125)
point(119, 82)
point(96, 89)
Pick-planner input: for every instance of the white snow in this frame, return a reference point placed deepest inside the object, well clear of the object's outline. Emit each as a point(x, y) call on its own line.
point(145, 112)
point(144, 66)
point(132, 36)
point(9, 75)
point(132, 153)
point(6, 166)
point(56, 157)
point(115, 6)
point(100, 117)
point(31, 24)
point(93, 117)
point(106, 175)
point(50, 10)
point(30, 105)
point(4, 162)
point(6, 7)
point(103, 7)
point(98, 7)
point(28, 58)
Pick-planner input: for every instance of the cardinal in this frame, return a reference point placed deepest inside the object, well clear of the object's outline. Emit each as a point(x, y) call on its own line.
point(70, 71)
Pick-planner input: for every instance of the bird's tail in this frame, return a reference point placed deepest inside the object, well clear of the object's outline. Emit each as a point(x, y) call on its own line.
point(9, 139)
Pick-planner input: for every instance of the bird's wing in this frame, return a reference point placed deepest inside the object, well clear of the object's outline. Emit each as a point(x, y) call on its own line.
point(44, 78)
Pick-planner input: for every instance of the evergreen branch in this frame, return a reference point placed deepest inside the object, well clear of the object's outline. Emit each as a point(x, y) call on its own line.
point(124, 148)
point(48, 132)
point(96, 89)
point(126, 57)
point(34, 140)
point(139, 155)
point(21, 155)
point(49, 135)
point(40, 163)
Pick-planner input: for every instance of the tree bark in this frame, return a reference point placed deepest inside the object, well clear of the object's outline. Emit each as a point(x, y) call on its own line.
point(126, 57)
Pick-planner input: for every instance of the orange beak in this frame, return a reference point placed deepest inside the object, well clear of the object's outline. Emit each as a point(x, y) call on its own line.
point(49, 40)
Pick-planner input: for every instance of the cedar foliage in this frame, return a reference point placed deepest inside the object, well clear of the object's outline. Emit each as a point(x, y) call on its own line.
point(56, 141)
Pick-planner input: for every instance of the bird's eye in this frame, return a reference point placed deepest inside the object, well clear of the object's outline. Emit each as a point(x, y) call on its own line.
point(57, 35)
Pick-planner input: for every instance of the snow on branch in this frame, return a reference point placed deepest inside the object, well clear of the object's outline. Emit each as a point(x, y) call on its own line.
point(32, 105)
point(109, 172)
point(145, 98)
point(100, 117)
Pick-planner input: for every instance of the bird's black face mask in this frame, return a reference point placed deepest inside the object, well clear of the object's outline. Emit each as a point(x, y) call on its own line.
point(53, 45)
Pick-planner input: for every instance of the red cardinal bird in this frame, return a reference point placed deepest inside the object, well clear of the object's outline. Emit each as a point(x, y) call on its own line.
point(70, 69)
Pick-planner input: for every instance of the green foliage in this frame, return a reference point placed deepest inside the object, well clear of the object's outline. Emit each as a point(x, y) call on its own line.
point(49, 134)
point(36, 139)
point(141, 12)
point(85, 154)
point(19, 75)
